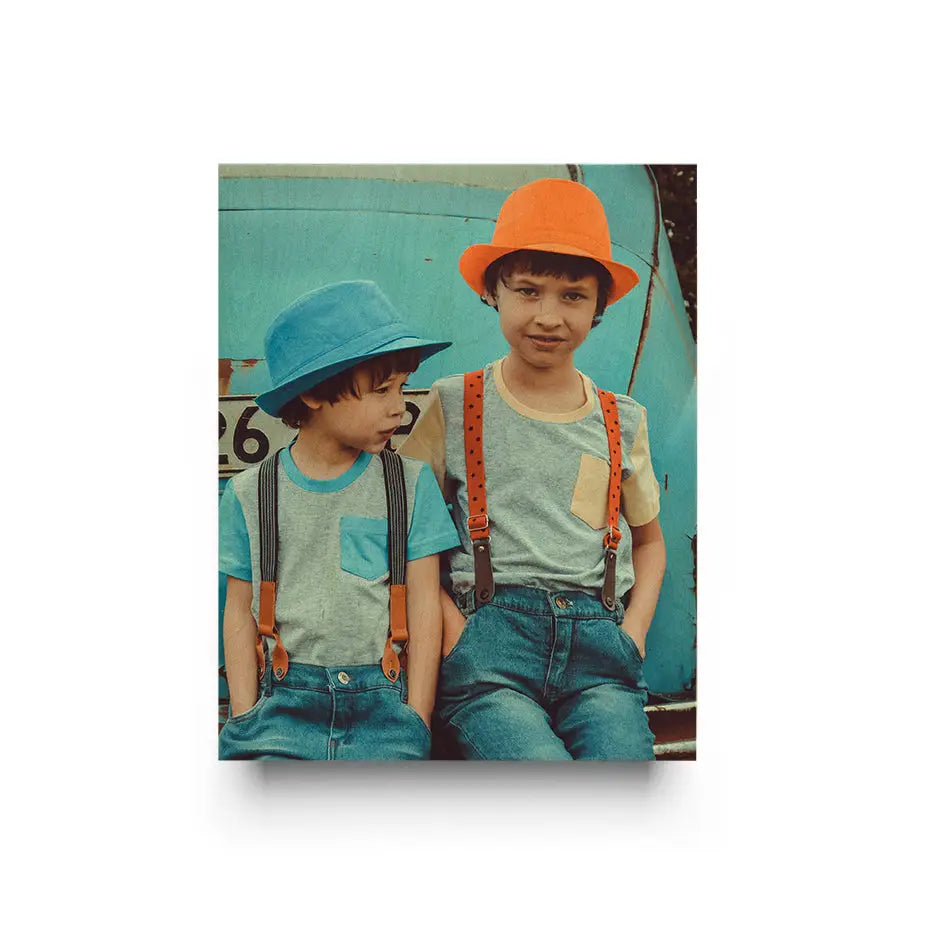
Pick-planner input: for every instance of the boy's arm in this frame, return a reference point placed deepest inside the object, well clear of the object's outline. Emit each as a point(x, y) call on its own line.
point(424, 626)
point(240, 630)
point(641, 502)
point(453, 622)
point(648, 559)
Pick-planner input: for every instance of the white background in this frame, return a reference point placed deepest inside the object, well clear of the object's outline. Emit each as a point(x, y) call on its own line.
point(811, 802)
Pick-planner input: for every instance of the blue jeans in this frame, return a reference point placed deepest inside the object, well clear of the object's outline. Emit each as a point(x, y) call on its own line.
point(352, 713)
point(539, 675)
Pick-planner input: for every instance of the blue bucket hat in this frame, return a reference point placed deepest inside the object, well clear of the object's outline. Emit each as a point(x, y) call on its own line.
point(328, 330)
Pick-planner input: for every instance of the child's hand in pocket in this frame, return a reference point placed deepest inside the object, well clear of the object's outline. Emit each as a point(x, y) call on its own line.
point(636, 632)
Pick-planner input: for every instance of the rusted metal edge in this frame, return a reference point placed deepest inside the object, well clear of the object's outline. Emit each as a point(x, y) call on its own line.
point(360, 211)
point(646, 318)
point(672, 707)
point(674, 727)
point(299, 171)
point(684, 747)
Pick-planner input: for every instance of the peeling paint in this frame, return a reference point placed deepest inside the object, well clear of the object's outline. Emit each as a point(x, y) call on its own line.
point(225, 371)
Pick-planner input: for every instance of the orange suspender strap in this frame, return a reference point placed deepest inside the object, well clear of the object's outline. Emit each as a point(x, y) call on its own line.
point(478, 520)
point(396, 495)
point(269, 535)
point(607, 401)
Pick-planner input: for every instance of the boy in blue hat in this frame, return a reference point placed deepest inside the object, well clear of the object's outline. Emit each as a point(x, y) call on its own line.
point(314, 582)
point(554, 497)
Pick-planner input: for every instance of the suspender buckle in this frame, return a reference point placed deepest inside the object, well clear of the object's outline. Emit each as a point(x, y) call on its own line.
point(612, 538)
point(478, 526)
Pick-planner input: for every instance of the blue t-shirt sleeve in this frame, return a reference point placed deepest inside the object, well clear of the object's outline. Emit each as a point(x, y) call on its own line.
point(234, 547)
point(431, 527)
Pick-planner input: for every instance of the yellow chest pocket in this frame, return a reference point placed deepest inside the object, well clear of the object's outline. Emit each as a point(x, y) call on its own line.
point(590, 501)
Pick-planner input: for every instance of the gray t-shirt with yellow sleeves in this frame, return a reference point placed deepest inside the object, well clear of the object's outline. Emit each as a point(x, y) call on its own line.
point(547, 484)
point(332, 568)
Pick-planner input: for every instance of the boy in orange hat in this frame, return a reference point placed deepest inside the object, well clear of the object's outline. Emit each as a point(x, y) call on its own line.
point(549, 597)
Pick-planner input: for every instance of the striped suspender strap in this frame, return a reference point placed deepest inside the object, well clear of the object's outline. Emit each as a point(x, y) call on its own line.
point(607, 401)
point(267, 518)
point(397, 559)
point(478, 520)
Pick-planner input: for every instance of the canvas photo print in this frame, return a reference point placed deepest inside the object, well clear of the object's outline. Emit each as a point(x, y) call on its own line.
point(457, 464)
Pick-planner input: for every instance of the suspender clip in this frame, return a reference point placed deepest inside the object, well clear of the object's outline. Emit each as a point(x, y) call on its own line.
point(609, 580)
point(485, 581)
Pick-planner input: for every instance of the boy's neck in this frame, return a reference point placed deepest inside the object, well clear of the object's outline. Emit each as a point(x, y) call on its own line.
point(321, 457)
point(546, 389)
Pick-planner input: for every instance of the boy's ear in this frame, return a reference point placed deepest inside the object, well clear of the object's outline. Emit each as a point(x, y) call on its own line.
point(311, 402)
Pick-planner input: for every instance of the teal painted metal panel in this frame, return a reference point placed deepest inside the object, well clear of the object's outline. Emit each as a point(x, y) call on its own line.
point(663, 379)
point(280, 237)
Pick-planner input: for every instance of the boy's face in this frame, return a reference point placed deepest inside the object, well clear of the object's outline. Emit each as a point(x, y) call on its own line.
point(543, 317)
point(366, 422)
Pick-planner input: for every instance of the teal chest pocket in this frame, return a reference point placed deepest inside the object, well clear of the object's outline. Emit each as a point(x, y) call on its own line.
point(364, 546)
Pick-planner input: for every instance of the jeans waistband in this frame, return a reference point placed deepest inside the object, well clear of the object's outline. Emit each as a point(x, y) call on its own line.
point(568, 604)
point(351, 679)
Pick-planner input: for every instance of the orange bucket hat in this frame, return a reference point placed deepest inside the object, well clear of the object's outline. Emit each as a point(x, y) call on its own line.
point(554, 215)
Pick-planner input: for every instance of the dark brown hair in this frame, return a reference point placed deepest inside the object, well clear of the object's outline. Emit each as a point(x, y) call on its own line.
point(546, 264)
point(295, 413)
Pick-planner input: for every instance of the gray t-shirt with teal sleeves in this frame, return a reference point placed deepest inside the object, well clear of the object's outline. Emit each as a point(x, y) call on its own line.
point(547, 484)
point(332, 576)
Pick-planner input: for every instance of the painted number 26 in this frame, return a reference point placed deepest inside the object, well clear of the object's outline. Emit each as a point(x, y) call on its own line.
point(242, 434)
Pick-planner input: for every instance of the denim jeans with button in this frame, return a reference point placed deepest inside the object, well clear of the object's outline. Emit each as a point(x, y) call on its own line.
point(352, 713)
point(541, 675)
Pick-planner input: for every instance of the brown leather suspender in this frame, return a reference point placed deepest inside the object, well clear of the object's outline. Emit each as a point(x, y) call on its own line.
point(478, 520)
point(396, 494)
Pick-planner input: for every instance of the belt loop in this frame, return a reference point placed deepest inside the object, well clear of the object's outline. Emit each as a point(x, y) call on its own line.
point(267, 682)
